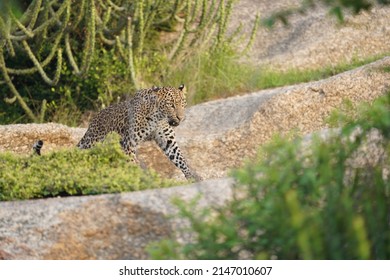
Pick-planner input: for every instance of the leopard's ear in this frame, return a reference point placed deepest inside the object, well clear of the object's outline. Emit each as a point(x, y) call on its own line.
point(181, 87)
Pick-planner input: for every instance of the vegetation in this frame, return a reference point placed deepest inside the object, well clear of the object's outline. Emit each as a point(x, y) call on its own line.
point(91, 52)
point(327, 202)
point(219, 75)
point(102, 169)
point(60, 59)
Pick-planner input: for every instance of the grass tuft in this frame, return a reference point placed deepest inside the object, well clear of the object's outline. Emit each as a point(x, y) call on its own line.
point(102, 169)
point(219, 74)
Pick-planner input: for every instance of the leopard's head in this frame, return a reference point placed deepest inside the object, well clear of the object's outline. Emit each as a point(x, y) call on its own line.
point(172, 103)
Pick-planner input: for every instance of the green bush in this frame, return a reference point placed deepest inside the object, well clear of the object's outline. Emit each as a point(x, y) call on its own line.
point(102, 169)
point(313, 201)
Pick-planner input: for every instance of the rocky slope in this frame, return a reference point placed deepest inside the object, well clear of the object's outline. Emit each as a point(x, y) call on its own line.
point(216, 136)
point(117, 226)
point(219, 135)
point(313, 39)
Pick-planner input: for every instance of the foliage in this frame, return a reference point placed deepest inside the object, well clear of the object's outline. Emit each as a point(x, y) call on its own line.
point(302, 201)
point(220, 75)
point(80, 49)
point(336, 8)
point(182, 41)
point(102, 169)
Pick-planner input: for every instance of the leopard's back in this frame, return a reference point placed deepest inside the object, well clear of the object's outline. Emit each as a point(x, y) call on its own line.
point(114, 118)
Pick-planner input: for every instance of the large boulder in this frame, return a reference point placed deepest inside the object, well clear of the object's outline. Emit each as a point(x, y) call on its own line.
point(19, 138)
point(215, 137)
point(314, 39)
point(114, 226)
point(219, 135)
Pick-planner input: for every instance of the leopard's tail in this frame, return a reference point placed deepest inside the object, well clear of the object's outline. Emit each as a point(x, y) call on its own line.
point(37, 147)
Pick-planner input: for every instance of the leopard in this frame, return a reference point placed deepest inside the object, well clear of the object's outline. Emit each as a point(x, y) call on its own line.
point(150, 115)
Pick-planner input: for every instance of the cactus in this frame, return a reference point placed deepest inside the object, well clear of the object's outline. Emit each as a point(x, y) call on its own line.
point(47, 27)
point(130, 59)
point(89, 45)
point(141, 25)
point(211, 16)
point(253, 35)
point(19, 33)
point(17, 96)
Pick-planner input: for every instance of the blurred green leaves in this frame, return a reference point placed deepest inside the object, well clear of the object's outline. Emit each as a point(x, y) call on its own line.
point(322, 199)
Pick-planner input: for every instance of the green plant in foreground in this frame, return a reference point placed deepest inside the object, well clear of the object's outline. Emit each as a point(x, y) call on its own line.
point(301, 201)
point(102, 169)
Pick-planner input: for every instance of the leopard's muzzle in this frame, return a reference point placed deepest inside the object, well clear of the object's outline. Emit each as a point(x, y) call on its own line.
point(173, 122)
point(176, 121)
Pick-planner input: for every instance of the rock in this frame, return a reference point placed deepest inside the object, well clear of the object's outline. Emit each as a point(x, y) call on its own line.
point(20, 138)
point(215, 137)
point(114, 226)
point(314, 38)
point(219, 135)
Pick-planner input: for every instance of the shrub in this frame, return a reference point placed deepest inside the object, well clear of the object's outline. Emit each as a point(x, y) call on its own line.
point(81, 49)
point(102, 169)
point(297, 201)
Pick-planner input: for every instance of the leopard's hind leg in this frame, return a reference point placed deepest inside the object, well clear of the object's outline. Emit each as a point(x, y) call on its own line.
point(90, 137)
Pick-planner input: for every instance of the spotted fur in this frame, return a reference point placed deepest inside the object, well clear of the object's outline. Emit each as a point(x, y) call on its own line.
point(150, 115)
